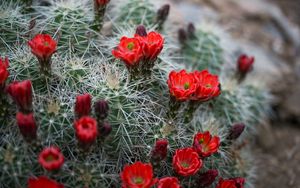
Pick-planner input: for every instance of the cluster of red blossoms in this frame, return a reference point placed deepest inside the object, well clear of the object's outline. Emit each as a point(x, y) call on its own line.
point(186, 162)
point(142, 47)
point(197, 86)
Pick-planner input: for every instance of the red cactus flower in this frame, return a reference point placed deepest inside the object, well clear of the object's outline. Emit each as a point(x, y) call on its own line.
point(208, 86)
point(152, 44)
point(137, 175)
point(86, 130)
point(205, 144)
point(102, 2)
point(160, 150)
point(186, 162)
point(43, 46)
point(83, 105)
point(231, 183)
point(207, 178)
point(3, 71)
point(168, 182)
point(27, 125)
point(245, 64)
point(129, 50)
point(43, 182)
point(181, 84)
point(51, 158)
point(21, 93)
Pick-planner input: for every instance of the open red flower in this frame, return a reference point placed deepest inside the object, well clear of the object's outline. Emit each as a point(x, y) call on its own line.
point(231, 183)
point(160, 150)
point(102, 2)
point(129, 50)
point(43, 46)
point(186, 162)
point(168, 182)
point(208, 86)
point(152, 44)
point(27, 125)
point(245, 64)
point(21, 93)
point(137, 175)
point(83, 105)
point(205, 144)
point(86, 130)
point(181, 84)
point(3, 71)
point(43, 182)
point(51, 158)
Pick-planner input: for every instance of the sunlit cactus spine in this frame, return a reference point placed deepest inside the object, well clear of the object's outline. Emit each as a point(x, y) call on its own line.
point(141, 123)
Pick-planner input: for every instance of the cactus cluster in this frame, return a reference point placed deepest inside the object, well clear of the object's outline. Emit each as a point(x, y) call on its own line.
point(138, 117)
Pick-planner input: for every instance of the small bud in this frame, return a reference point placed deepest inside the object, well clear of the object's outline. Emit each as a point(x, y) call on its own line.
point(141, 31)
point(101, 109)
point(163, 13)
point(101, 2)
point(21, 93)
point(3, 72)
point(27, 125)
point(244, 66)
point(207, 178)
point(182, 36)
point(191, 30)
point(236, 131)
point(83, 105)
point(160, 150)
point(105, 129)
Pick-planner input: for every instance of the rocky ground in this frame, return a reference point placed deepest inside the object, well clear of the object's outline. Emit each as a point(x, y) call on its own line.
point(270, 30)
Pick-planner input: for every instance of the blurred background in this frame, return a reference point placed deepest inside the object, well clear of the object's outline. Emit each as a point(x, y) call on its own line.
point(269, 30)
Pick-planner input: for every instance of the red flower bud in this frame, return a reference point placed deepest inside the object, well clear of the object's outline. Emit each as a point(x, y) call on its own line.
point(207, 178)
point(205, 144)
point(141, 31)
point(83, 105)
point(152, 45)
point(182, 36)
point(21, 93)
point(105, 129)
point(27, 125)
point(102, 2)
point(163, 13)
point(51, 158)
point(191, 30)
point(101, 109)
point(235, 131)
point(3, 72)
point(129, 50)
point(245, 64)
point(186, 162)
point(182, 85)
point(231, 183)
point(208, 86)
point(137, 175)
point(86, 130)
point(43, 46)
point(168, 182)
point(160, 150)
point(43, 182)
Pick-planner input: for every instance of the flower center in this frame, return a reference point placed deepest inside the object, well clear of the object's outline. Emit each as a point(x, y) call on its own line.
point(50, 158)
point(186, 85)
point(201, 141)
point(46, 43)
point(185, 164)
point(208, 85)
point(138, 180)
point(130, 45)
point(85, 126)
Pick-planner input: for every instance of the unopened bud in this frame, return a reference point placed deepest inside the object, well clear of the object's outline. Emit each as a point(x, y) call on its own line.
point(236, 131)
point(141, 31)
point(105, 129)
point(207, 178)
point(27, 125)
point(163, 13)
point(160, 150)
point(182, 36)
point(191, 30)
point(101, 109)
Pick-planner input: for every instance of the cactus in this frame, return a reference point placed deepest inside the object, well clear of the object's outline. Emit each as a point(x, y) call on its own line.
point(139, 107)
